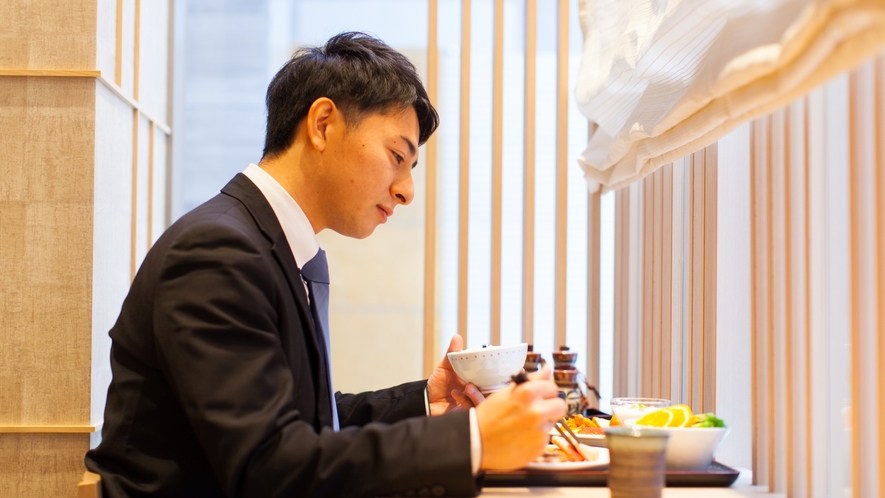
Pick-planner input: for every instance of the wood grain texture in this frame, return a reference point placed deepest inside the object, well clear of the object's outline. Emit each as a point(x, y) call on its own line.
point(866, 332)
point(65, 73)
point(47, 429)
point(759, 299)
point(562, 164)
point(46, 249)
point(528, 213)
point(879, 165)
point(497, 172)
point(37, 465)
point(32, 32)
point(667, 302)
point(594, 257)
point(695, 295)
point(711, 223)
point(657, 269)
point(464, 173)
point(430, 223)
point(647, 284)
point(619, 382)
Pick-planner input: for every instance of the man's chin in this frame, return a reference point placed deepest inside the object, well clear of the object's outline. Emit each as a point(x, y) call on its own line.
point(356, 233)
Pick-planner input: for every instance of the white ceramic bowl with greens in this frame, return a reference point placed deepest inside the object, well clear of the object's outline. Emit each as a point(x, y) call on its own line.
point(691, 448)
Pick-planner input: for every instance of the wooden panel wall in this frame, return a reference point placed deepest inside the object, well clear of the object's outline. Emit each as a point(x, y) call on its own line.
point(818, 252)
point(674, 353)
point(69, 132)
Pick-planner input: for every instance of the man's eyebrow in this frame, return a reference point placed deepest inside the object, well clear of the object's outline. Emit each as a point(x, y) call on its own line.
point(412, 149)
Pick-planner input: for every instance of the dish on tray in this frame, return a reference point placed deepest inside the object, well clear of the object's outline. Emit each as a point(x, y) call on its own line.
point(597, 440)
point(601, 460)
point(587, 429)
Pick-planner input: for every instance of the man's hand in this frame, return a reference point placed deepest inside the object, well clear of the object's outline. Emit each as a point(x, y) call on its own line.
point(446, 392)
point(514, 422)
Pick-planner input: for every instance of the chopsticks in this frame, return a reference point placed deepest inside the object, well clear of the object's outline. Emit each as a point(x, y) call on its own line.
point(570, 438)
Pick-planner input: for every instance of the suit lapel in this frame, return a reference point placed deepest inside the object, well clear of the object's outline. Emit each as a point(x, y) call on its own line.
point(242, 189)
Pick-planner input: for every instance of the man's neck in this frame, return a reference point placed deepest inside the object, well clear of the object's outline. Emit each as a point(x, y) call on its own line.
point(287, 169)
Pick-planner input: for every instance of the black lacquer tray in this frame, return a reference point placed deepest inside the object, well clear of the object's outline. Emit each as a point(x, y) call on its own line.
point(716, 475)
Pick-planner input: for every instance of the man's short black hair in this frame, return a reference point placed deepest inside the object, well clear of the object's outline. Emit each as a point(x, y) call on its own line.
point(361, 74)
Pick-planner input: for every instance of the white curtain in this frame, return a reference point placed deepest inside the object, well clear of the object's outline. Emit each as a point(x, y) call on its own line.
point(663, 78)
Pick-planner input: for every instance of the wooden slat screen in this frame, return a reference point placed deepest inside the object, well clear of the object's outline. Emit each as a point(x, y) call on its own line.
point(676, 349)
point(560, 163)
point(817, 168)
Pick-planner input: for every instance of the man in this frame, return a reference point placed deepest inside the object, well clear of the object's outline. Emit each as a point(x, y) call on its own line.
point(221, 381)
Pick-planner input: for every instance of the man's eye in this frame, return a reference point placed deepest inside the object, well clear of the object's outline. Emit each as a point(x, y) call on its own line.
point(398, 157)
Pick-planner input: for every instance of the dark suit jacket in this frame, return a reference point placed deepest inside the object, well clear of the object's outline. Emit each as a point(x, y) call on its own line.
point(219, 389)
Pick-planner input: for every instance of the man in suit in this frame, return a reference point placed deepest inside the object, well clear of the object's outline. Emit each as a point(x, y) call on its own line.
point(221, 383)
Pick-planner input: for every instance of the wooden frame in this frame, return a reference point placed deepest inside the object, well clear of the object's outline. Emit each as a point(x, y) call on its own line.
point(528, 216)
point(464, 175)
point(430, 356)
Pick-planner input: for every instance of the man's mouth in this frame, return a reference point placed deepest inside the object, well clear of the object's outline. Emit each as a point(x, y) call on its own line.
point(384, 214)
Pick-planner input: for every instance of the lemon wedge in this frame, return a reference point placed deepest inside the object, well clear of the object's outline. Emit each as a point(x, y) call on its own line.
point(681, 415)
point(657, 418)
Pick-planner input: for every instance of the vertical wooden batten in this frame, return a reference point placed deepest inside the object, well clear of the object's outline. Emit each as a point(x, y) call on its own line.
point(762, 417)
point(133, 265)
point(594, 247)
point(562, 48)
point(666, 279)
point(464, 171)
point(497, 171)
point(136, 66)
point(710, 226)
point(430, 227)
point(619, 383)
point(118, 66)
point(879, 165)
point(696, 292)
point(657, 362)
point(150, 186)
point(675, 291)
point(866, 329)
point(528, 213)
point(646, 334)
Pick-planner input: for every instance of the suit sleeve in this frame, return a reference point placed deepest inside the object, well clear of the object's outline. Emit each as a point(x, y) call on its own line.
point(218, 346)
point(387, 405)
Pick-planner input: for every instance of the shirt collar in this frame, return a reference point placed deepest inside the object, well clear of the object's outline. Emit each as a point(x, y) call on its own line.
point(302, 239)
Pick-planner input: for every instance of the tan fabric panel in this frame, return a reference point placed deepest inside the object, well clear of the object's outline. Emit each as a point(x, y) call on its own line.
point(37, 465)
point(46, 253)
point(31, 31)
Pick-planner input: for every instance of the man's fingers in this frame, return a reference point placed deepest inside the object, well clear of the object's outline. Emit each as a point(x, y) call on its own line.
point(473, 393)
point(551, 409)
point(545, 373)
point(537, 388)
point(456, 344)
point(462, 399)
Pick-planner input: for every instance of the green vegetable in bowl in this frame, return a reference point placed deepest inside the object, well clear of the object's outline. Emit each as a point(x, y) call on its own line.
point(706, 420)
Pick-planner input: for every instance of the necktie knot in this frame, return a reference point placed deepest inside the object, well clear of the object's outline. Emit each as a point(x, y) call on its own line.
point(317, 269)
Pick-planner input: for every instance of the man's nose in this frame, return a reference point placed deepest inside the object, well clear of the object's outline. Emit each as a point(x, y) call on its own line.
point(404, 190)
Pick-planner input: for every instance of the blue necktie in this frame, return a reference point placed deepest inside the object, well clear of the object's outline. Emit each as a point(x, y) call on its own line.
point(316, 273)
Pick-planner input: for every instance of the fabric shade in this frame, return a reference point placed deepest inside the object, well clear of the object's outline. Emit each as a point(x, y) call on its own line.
point(661, 79)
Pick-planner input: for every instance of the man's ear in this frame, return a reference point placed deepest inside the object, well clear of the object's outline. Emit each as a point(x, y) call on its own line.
point(322, 113)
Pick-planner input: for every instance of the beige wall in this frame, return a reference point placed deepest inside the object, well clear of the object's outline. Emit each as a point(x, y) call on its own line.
point(75, 135)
